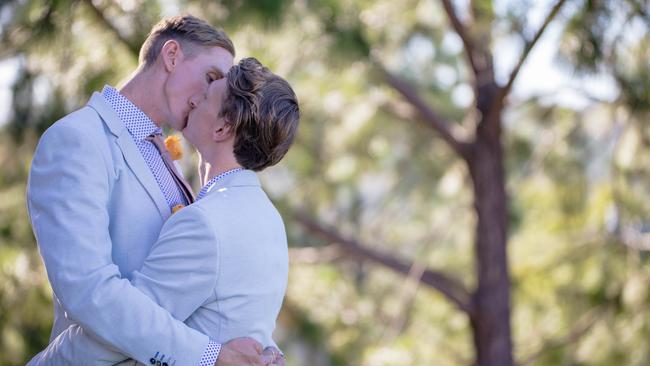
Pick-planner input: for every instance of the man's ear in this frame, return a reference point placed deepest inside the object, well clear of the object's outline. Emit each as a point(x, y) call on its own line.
point(171, 54)
point(222, 132)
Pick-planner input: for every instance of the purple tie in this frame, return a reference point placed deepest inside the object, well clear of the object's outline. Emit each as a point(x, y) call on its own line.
point(169, 163)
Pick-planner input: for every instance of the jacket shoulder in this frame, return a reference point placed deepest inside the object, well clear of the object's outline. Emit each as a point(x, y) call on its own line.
point(78, 135)
point(84, 121)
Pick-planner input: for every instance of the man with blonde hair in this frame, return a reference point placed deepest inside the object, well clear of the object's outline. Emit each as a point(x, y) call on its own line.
point(100, 190)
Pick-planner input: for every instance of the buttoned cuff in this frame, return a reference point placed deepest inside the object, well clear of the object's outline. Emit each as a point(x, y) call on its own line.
point(210, 354)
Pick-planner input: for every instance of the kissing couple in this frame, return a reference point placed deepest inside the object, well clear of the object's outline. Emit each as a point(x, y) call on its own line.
point(142, 271)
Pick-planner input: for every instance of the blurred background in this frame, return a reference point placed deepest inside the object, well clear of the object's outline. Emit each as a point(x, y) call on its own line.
point(436, 137)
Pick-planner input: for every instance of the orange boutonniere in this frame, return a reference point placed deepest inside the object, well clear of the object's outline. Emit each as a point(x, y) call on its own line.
point(174, 146)
point(177, 208)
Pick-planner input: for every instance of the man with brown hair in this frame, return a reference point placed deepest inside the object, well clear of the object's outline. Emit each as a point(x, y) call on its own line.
point(99, 192)
point(255, 109)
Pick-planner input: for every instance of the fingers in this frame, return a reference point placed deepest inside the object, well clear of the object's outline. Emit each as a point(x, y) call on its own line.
point(242, 351)
point(280, 361)
point(248, 344)
point(257, 346)
point(267, 358)
point(269, 355)
point(270, 351)
point(272, 357)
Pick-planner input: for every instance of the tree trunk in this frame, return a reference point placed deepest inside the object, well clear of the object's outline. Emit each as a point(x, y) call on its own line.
point(491, 320)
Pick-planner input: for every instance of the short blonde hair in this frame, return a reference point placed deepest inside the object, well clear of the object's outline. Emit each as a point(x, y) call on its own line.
point(187, 30)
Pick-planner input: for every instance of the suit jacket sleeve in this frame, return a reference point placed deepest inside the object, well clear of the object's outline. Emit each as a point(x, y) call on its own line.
point(181, 270)
point(179, 274)
point(68, 196)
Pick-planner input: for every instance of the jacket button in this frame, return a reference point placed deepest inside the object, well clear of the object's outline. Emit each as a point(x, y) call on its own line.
point(158, 363)
point(165, 364)
point(152, 361)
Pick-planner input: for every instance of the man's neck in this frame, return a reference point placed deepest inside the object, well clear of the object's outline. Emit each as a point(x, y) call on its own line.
point(210, 167)
point(145, 92)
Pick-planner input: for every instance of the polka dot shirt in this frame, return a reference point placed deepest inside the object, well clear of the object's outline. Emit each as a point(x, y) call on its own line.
point(210, 354)
point(140, 126)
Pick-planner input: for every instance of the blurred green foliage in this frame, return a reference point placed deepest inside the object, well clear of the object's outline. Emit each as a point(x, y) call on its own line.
point(578, 177)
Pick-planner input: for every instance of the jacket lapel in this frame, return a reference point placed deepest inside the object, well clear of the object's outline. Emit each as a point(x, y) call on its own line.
point(130, 151)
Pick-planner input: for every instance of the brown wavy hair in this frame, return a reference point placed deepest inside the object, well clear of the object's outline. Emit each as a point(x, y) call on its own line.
point(263, 112)
point(187, 30)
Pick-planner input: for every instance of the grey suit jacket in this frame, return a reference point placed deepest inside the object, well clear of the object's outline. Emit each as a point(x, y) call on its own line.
point(220, 264)
point(96, 211)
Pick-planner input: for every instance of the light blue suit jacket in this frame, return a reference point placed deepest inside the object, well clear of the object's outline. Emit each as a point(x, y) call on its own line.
point(96, 210)
point(220, 264)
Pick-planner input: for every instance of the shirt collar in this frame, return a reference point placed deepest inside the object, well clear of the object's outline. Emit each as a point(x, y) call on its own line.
point(208, 187)
point(135, 120)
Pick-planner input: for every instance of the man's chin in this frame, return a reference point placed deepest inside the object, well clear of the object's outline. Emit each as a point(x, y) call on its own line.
point(181, 125)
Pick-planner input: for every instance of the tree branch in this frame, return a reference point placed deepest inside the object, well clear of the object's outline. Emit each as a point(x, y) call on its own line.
point(529, 46)
point(426, 113)
point(452, 289)
point(498, 102)
point(405, 112)
point(314, 255)
point(459, 27)
point(99, 13)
